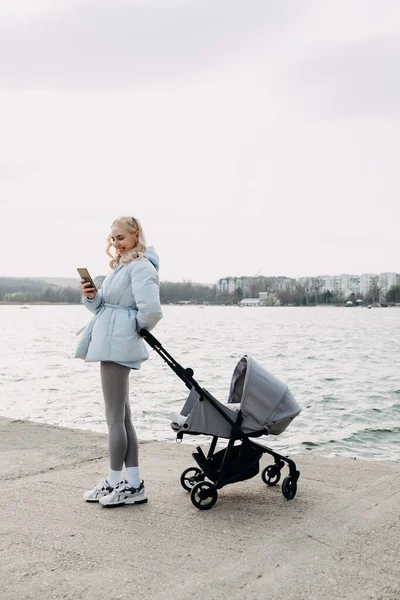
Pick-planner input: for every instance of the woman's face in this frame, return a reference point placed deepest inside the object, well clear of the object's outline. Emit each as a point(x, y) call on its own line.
point(122, 240)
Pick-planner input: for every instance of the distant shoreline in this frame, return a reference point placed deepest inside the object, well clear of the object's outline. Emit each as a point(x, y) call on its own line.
point(21, 304)
point(397, 305)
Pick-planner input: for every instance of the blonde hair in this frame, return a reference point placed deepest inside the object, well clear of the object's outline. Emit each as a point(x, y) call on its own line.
point(131, 225)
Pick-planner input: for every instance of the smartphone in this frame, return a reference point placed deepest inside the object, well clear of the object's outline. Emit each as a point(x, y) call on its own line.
point(85, 275)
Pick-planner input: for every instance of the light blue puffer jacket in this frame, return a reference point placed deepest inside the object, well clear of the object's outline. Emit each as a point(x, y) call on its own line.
point(128, 301)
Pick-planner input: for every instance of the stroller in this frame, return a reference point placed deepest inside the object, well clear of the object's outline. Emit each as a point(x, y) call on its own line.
point(266, 406)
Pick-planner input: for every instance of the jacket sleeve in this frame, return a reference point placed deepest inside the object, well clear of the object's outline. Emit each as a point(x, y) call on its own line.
point(146, 292)
point(94, 304)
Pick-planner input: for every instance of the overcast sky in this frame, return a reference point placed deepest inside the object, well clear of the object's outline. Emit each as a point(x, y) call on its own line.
point(251, 136)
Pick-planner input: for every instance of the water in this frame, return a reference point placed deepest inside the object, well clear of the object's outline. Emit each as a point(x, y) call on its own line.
point(341, 364)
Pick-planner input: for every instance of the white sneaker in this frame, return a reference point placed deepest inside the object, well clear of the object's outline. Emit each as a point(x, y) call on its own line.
point(123, 493)
point(103, 488)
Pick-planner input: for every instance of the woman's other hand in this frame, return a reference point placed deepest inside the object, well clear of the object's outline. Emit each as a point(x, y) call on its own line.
point(87, 291)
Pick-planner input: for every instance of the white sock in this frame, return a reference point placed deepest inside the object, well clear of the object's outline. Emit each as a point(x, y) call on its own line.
point(132, 476)
point(114, 477)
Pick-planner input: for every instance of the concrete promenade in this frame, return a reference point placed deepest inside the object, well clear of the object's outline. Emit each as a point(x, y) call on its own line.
point(339, 539)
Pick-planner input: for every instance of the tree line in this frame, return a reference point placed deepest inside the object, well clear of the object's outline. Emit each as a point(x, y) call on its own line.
point(25, 291)
point(306, 292)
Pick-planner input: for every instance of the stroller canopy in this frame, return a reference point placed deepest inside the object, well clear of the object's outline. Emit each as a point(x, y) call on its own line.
point(266, 403)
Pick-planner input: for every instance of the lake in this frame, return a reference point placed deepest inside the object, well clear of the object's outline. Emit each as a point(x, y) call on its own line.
point(341, 364)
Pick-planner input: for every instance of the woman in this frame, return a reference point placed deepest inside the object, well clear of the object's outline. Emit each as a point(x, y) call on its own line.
point(128, 301)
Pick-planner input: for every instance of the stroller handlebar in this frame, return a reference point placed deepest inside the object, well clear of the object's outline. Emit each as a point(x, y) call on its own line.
point(185, 374)
point(150, 339)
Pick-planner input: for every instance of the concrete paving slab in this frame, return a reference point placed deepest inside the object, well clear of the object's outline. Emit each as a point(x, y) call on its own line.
point(339, 539)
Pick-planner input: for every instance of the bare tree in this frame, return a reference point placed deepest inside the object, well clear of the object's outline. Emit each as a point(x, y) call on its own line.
point(374, 292)
point(316, 287)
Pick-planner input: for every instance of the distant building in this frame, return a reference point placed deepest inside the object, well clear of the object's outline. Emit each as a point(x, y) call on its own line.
point(230, 284)
point(249, 285)
point(386, 281)
point(343, 285)
point(350, 285)
point(367, 280)
point(358, 284)
point(250, 302)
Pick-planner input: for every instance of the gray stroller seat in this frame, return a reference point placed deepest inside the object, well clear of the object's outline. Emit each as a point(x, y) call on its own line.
point(266, 404)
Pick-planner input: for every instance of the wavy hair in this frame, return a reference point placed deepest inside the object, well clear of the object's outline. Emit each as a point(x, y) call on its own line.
point(131, 225)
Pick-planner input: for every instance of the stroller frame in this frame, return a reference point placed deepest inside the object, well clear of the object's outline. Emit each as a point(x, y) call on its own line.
point(231, 464)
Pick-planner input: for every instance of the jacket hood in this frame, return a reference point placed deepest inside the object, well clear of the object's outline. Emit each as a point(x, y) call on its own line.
point(152, 256)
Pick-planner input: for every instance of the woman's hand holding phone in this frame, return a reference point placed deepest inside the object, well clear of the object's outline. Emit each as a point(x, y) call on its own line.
point(87, 289)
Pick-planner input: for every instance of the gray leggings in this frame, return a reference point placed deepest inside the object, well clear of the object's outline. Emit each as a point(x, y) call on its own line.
point(122, 440)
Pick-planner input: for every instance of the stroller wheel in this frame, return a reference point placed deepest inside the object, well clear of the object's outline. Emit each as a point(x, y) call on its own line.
point(190, 477)
point(204, 495)
point(289, 487)
point(271, 475)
